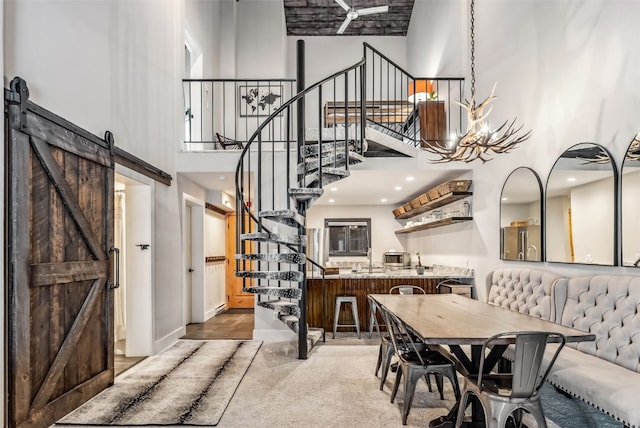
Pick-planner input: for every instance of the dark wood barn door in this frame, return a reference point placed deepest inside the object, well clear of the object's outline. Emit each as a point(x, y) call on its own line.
point(60, 232)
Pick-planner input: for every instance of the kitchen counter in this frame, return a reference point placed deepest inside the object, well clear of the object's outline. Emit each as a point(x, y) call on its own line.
point(322, 294)
point(408, 273)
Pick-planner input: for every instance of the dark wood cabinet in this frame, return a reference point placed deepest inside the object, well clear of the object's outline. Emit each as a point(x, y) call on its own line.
point(359, 287)
point(433, 123)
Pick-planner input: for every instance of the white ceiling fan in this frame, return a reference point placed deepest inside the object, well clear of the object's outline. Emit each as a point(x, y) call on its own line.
point(353, 13)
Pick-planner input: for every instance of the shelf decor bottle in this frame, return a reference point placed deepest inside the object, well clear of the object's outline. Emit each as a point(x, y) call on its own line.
point(419, 267)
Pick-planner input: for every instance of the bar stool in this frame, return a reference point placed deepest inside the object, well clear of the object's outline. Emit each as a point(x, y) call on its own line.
point(354, 309)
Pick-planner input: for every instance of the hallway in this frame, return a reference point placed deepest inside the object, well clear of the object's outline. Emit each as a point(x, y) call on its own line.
point(230, 324)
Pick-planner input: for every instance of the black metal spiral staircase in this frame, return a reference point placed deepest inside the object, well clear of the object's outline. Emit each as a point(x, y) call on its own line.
point(290, 171)
point(283, 170)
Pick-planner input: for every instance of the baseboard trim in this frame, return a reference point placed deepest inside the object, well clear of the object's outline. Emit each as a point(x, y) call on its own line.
point(169, 340)
point(274, 335)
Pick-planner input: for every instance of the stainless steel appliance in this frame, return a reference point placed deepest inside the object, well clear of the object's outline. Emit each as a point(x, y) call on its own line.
point(318, 247)
point(397, 259)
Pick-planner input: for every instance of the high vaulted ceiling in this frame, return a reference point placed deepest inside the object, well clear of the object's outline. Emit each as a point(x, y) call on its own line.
point(324, 17)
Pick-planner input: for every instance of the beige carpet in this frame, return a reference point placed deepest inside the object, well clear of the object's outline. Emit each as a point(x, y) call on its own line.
point(335, 387)
point(189, 384)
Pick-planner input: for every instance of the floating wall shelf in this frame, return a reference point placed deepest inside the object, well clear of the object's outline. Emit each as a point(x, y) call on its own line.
point(431, 225)
point(435, 203)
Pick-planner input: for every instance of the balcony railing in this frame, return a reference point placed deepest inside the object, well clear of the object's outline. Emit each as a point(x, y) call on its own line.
point(219, 109)
point(417, 110)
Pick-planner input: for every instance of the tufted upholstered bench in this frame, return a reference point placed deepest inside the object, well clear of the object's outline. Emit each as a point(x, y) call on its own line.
point(604, 373)
point(528, 291)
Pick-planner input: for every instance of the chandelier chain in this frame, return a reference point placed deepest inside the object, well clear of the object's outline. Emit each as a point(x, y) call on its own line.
point(473, 51)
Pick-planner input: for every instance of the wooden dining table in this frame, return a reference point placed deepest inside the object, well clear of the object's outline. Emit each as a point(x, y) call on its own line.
point(454, 321)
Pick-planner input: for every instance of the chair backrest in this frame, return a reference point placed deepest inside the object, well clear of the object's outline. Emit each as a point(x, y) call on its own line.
point(228, 142)
point(406, 289)
point(529, 352)
point(402, 338)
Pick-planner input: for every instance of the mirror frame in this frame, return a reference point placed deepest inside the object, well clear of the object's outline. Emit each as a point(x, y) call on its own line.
point(541, 250)
point(634, 150)
point(616, 210)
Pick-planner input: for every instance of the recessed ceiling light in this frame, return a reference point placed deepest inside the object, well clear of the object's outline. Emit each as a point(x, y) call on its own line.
point(383, 200)
point(571, 179)
point(505, 199)
point(334, 189)
point(397, 188)
point(331, 200)
point(222, 177)
point(410, 178)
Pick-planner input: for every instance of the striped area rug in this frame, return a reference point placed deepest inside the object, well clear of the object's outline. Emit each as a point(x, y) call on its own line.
point(189, 384)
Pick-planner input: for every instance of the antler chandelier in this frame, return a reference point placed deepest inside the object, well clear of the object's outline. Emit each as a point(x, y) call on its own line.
point(479, 140)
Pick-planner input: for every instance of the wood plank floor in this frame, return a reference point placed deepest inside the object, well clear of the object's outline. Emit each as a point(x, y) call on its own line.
point(230, 324)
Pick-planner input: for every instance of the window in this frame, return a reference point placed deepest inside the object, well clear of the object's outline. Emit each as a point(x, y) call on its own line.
point(348, 236)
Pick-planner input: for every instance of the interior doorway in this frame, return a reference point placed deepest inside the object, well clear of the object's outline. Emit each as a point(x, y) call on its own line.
point(193, 295)
point(133, 235)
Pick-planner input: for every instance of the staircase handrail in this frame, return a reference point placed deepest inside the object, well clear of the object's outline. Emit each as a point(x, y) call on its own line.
point(273, 115)
point(389, 60)
point(411, 76)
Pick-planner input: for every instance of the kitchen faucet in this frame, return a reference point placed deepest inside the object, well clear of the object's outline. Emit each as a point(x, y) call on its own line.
point(369, 251)
point(532, 247)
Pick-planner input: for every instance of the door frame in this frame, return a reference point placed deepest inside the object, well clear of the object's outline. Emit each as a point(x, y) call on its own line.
point(139, 309)
point(198, 307)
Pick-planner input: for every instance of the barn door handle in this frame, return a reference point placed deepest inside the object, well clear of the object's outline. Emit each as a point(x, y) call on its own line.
point(117, 283)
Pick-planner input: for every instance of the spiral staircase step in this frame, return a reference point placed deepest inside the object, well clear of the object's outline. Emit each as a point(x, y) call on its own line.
point(282, 292)
point(329, 175)
point(293, 258)
point(281, 307)
point(287, 217)
point(311, 164)
point(278, 238)
point(274, 275)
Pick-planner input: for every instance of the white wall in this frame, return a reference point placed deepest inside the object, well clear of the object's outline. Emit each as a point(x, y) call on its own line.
point(260, 39)
point(562, 70)
point(383, 224)
point(437, 39)
point(113, 65)
point(202, 23)
point(326, 55)
point(214, 273)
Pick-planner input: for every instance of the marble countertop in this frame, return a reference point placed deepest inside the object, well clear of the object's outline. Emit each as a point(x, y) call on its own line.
point(408, 273)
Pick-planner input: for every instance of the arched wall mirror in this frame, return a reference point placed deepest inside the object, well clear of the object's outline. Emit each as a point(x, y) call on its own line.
point(631, 205)
point(520, 216)
point(580, 207)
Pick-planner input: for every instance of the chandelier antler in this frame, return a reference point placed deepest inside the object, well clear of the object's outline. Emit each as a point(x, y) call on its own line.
point(633, 153)
point(478, 141)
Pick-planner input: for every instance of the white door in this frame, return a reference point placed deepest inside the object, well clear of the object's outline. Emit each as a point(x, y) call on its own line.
point(188, 293)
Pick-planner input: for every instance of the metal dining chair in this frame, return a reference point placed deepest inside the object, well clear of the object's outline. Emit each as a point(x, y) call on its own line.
point(416, 362)
point(400, 289)
point(507, 394)
point(386, 351)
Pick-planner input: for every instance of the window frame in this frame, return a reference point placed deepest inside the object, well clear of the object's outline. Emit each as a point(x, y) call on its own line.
point(348, 222)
